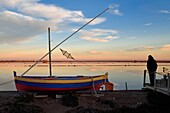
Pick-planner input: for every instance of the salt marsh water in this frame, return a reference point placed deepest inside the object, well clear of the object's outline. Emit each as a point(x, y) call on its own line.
point(119, 72)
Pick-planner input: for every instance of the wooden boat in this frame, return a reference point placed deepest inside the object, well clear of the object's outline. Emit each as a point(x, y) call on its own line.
point(61, 83)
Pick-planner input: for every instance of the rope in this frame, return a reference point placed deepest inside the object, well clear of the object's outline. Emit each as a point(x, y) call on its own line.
point(160, 73)
point(94, 89)
point(6, 82)
point(64, 41)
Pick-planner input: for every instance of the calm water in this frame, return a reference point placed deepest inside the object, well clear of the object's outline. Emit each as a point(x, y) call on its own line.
point(119, 73)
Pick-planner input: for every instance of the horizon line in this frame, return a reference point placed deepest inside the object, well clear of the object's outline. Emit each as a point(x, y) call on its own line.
point(162, 61)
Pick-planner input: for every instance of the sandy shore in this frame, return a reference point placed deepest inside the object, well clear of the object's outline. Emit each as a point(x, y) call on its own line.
point(130, 98)
point(131, 101)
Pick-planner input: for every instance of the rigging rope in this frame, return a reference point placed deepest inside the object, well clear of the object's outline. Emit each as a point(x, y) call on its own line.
point(64, 41)
point(7, 82)
point(94, 89)
point(160, 73)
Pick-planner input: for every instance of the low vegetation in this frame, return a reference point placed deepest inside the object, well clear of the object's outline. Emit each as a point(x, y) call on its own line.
point(158, 103)
point(70, 100)
point(21, 104)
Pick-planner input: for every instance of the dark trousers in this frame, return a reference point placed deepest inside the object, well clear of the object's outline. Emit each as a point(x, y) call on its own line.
point(151, 77)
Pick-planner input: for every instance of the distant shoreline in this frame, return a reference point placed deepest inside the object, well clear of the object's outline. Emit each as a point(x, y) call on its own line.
point(45, 61)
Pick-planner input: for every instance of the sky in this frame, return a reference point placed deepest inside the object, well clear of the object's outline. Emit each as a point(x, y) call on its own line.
point(129, 30)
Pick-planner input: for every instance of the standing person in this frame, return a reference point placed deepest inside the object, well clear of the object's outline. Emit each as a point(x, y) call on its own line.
point(151, 66)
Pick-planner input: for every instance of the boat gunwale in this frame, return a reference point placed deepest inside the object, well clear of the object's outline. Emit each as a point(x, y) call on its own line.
point(55, 80)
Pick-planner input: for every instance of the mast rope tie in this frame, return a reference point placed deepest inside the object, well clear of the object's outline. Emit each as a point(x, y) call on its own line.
point(94, 89)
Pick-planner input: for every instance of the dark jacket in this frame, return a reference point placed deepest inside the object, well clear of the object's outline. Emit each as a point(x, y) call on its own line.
point(151, 64)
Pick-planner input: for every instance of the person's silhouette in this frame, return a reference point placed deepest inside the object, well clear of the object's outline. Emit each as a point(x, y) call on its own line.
point(151, 66)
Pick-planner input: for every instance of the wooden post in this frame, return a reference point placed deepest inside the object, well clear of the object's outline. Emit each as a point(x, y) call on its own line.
point(49, 40)
point(126, 86)
point(168, 83)
point(15, 73)
point(154, 80)
point(144, 78)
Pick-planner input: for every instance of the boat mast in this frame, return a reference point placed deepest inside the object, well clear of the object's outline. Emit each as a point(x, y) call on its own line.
point(49, 42)
point(63, 41)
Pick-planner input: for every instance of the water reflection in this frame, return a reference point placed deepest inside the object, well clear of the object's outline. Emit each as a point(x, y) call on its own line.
point(119, 73)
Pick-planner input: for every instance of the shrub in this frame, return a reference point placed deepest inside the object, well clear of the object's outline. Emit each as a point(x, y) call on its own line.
point(70, 100)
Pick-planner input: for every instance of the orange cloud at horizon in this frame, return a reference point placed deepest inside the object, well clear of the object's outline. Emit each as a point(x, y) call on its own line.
point(159, 54)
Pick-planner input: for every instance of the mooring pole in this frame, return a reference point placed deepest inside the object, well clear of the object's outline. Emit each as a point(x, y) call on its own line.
point(49, 42)
point(126, 86)
point(144, 78)
point(168, 83)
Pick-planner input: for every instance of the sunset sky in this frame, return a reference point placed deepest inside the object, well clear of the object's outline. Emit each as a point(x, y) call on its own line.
point(129, 30)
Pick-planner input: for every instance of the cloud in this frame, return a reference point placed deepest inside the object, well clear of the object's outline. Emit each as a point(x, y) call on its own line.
point(16, 27)
point(96, 52)
point(142, 48)
point(99, 35)
point(132, 37)
point(114, 9)
point(85, 20)
point(147, 48)
point(48, 12)
point(147, 24)
point(22, 20)
point(165, 47)
point(164, 11)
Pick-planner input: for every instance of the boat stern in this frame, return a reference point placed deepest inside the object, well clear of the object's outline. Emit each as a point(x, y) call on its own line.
point(105, 86)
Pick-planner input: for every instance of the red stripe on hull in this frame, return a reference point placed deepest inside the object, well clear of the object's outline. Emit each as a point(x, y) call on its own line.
point(21, 87)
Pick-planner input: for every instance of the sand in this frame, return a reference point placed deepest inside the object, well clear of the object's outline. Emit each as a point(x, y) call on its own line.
point(131, 98)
